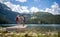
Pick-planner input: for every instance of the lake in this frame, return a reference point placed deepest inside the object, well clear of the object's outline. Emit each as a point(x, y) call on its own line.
point(37, 27)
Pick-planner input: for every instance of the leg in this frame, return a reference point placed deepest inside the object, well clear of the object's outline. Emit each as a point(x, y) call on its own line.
point(18, 30)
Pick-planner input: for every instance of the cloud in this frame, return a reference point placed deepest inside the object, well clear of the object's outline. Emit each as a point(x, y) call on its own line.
point(21, 9)
point(25, 9)
point(9, 4)
point(12, 6)
point(34, 9)
point(21, 0)
point(55, 5)
point(17, 8)
point(54, 9)
point(47, 10)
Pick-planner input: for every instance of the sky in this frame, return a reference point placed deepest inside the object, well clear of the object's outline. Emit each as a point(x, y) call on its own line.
point(30, 6)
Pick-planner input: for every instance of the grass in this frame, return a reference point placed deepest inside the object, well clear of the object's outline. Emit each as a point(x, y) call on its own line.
point(28, 34)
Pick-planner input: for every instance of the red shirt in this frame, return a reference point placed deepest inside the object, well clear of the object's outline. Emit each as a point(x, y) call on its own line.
point(17, 18)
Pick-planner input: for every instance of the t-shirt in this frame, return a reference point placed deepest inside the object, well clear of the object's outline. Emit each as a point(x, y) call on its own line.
point(23, 19)
point(17, 19)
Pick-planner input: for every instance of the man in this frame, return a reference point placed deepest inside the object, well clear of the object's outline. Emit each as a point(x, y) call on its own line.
point(18, 22)
point(23, 20)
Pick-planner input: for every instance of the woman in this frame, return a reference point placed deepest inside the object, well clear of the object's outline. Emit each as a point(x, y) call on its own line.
point(18, 19)
point(18, 22)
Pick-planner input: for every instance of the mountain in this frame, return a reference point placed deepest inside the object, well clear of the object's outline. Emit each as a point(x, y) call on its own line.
point(44, 18)
point(7, 16)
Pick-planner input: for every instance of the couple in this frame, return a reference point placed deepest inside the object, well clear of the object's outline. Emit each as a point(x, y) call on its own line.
point(18, 18)
point(18, 21)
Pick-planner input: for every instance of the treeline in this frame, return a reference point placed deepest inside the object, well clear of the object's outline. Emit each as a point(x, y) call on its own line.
point(44, 18)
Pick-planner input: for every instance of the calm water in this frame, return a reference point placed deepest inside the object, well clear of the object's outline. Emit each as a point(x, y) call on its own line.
point(31, 24)
point(40, 27)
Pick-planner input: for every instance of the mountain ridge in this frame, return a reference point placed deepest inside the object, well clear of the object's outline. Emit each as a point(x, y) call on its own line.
point(7, 16)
